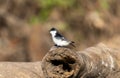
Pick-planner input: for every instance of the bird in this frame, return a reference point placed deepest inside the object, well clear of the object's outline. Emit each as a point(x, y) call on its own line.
point(59, 40)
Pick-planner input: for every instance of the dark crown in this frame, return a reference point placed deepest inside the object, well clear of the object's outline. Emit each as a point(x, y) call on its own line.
point(52, 29)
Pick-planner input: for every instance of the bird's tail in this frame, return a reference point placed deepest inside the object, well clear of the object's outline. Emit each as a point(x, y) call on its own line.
point(72, 43)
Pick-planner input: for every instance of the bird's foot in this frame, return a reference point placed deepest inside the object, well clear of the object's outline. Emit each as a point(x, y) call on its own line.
point(57, 45)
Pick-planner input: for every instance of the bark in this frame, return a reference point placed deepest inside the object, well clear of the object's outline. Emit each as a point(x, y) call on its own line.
point(20, 70)
point(60, 62)
point(94, 62)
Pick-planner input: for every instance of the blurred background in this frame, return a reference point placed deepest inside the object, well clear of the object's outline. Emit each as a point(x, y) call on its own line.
point(25, 25)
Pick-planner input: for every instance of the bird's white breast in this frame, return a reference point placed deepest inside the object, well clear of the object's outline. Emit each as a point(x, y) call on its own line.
point(60, 42)
point(57, 41)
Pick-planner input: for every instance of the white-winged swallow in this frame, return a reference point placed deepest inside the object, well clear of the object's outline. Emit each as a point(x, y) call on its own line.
point(58, 39)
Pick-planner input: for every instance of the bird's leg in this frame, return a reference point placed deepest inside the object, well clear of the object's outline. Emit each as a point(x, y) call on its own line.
point(57, 45)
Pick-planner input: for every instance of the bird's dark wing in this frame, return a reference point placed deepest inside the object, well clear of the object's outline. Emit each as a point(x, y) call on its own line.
point(59, 36)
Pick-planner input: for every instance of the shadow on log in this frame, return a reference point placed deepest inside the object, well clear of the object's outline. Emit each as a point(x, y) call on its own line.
point(94, 62)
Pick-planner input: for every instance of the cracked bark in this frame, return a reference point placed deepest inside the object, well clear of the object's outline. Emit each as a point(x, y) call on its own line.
point(94, 62)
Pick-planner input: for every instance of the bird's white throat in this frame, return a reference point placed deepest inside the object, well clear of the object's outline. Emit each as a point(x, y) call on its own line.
point(53, 33)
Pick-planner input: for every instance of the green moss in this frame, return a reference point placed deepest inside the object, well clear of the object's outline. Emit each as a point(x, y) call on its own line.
point(46, 8)
point(58, 3)
point(33, 20)
point(104, 4)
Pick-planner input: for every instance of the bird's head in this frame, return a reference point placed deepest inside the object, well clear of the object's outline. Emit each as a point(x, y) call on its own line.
point(53, 31)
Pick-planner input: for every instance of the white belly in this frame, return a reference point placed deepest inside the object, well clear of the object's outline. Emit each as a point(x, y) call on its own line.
point(61, 42)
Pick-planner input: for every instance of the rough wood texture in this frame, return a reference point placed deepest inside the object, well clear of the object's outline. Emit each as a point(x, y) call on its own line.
point(94, 62)
point(20, 70)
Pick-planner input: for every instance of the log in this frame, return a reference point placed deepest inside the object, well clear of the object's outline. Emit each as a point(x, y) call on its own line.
point(61, 62)
point(21, 70)
point(94, 62)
